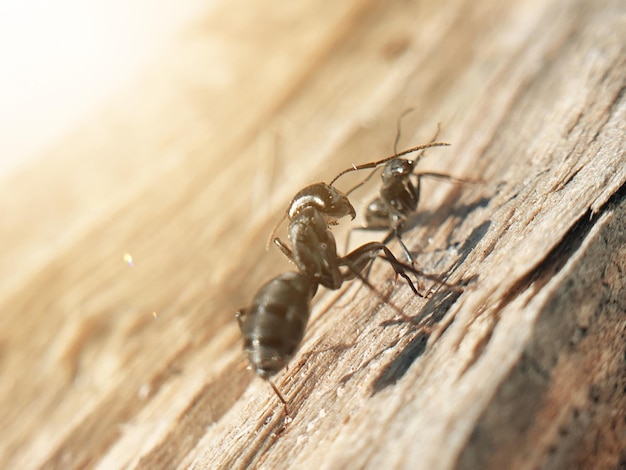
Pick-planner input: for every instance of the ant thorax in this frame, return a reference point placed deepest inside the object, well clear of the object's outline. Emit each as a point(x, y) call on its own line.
point(331, 203)
point(314, 250)
point(399, 194)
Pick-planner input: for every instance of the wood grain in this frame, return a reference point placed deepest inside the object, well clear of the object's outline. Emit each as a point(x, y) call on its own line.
point(106, 365)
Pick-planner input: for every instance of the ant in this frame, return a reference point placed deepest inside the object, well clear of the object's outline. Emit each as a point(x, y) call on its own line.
point(400, 190)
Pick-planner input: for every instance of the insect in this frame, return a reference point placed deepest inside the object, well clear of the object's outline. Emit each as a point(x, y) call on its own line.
point(399, 192)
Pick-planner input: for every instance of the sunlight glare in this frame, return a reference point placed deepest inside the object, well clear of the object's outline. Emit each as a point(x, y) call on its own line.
point(59, 59)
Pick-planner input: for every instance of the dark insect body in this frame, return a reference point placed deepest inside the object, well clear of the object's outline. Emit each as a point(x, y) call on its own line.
point(399, 193)
point(274, 325)
point(312, 212)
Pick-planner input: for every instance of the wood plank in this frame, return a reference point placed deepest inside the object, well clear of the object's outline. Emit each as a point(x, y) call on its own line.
point(107, 365)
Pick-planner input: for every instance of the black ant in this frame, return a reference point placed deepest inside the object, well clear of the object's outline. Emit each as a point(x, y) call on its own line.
point(399, 193)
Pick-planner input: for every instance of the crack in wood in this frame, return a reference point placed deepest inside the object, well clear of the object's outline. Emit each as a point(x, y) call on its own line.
point(582, 315)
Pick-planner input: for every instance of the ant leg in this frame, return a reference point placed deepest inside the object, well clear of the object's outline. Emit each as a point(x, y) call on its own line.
point(398, 267)
point(409, 256)
point(284, 249)
point(402, 268)
point(280, 397)
point(354, 268)
point(397, 234)
point(358, 259)
point(373, 228)
point(365, 282)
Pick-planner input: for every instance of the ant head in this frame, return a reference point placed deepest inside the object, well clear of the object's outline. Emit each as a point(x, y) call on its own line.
point(326, 199)
point(398, 169)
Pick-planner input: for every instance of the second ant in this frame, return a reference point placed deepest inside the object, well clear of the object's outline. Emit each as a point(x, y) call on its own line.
point(399, 192)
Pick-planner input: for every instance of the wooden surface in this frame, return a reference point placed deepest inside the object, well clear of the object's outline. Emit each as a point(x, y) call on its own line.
point(107, 365)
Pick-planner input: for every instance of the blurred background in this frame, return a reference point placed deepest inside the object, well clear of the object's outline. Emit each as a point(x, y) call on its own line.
point(60, 61)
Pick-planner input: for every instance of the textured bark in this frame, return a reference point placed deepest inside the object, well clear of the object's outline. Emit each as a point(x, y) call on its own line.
point(107, 365)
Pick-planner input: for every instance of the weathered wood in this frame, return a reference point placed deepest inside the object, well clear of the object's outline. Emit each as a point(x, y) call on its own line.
point(104, 365)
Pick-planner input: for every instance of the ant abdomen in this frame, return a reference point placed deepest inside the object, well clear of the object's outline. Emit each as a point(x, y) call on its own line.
point(273, 327)
point(377, 214)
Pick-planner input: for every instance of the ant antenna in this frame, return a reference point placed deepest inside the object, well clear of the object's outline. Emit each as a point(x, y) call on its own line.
point(280, 397)
point(395, 149)
point(399, 128)
point(377, 163)
point(274, 230)
point(365, 180)
point(417, 159)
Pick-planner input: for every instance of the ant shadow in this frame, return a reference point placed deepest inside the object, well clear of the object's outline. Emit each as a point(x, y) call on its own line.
point(460, 211)
point(434, 311)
